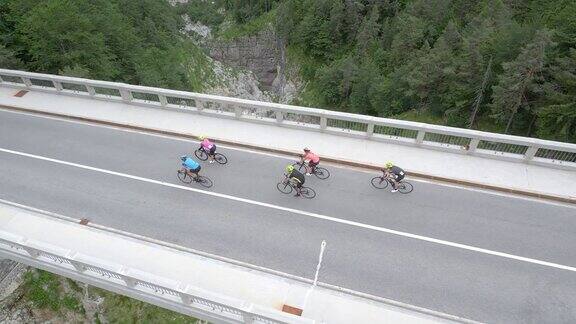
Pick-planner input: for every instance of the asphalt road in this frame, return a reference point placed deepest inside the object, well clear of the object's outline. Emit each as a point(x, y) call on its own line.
point(463, 282)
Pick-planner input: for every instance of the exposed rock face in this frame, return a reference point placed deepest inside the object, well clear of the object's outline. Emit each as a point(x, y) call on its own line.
point(11, 274)
point(257, 53)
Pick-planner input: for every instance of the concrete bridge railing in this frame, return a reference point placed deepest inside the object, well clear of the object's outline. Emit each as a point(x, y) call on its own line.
point(163, 292)
point(456, 140)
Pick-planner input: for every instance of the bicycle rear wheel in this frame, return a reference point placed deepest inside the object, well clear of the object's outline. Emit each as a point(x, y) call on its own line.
point(284, 187)
point(201, 154)
point(220, 158)
point(321, 173)
point(379, 182)
point(405, 187)
point(307, 192)
point(184, 177)
point(205, 182)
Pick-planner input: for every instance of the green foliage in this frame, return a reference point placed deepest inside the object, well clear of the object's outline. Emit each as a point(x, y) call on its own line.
point(205, 11)
point(252, 27)
point(457, 60)
point(558, 116)
point(119, 40)
point(43, 289)
point(519, 80)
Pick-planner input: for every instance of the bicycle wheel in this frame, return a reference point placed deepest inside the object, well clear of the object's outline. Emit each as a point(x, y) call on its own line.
point(205, 182)
point(307, 192)
point(321, 173)
point(284, 187)
point(201, 154)
point(184, 177)
point(379, 183)
point(405, 187)
point(220, 158)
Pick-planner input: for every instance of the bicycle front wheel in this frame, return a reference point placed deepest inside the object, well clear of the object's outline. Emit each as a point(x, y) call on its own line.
point(201, 154)
point(284, 187)
point(405, 187)
point(184, 177)
point(307, 192)
point(321, 173)
point(220, 158)
point(205, 182)
point(379, 182)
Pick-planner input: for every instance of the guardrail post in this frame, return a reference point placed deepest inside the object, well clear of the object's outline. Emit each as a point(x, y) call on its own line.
point(530, 152)
point(57, 85)
point(420, 137)
point(370, 130)
point(279, 117)
point(126, 95)
point(323, 122)
point(91, 90)
point(186, 299)
point(473, 145)
point(199, 104)
point(27, 82)
point(1, 79)
point(163, 100)
point(33, 252)
point(247, 315)
point(130, 282)
point(77, 265)
point(238, 111)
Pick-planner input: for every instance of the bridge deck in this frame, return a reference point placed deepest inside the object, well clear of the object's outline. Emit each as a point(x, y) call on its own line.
point(479, 255)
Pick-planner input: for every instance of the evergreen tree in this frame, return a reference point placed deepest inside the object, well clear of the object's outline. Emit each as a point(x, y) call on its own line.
point(557, 119)
point(513, 88)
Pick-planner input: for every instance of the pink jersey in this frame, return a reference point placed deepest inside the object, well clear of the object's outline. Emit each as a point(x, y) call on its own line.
point(206, 144)
point(312, 157)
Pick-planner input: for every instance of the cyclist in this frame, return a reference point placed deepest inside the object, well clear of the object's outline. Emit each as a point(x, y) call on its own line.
point(312, 159)
point(208, 146)
point(295, 177)
point(394, 173)
point(191, 167)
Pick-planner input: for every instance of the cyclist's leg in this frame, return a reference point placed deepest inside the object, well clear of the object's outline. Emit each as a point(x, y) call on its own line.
point(212, 152)
point(298, 188)
point(313, 166)
point(194, 173)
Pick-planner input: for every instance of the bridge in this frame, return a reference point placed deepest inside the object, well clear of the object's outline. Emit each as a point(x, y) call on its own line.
point(89, 191)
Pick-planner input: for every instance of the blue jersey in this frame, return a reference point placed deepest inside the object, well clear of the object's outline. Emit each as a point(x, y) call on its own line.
point(190, 164)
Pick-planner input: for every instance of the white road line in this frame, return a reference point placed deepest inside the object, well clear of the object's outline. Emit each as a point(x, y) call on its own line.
point(285, 157)
point(304, 213)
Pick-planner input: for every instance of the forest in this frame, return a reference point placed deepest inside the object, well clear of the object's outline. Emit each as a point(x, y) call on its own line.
point(506, 66)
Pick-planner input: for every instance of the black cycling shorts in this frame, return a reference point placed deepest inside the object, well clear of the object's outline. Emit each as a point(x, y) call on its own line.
point(195, 170)
point(312, 164)
point(213, 150)
point(399, 177)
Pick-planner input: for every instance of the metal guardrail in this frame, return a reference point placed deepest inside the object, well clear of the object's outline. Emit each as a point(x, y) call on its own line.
point(220, 308)
point(449, 139)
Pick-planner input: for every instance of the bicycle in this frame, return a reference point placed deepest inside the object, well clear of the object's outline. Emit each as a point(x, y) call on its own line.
point(202, 180)
point(382, 182)
point(319, 172)
point(203, 155)
point(286, 187)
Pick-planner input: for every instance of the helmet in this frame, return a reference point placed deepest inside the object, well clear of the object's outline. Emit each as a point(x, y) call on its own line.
point(306, 149)
point(289, 168)
point(389, 165)
point(183, 157)
point(201, 137)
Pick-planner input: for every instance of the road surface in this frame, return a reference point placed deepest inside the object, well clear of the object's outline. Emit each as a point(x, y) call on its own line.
point(484, 256)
